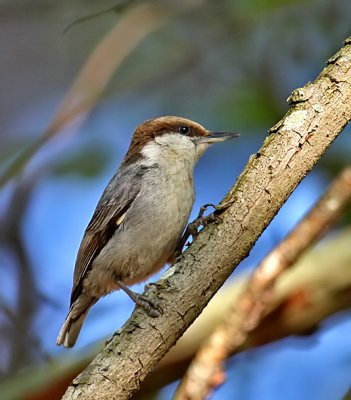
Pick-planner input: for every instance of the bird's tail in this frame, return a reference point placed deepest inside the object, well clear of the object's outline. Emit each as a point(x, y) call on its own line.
point(70, 329)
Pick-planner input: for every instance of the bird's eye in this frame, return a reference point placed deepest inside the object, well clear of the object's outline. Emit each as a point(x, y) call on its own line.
point(184, 130)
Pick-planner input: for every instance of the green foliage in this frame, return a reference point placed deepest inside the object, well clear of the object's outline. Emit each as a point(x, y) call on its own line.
point(88, 163)
point(266, 5)
point(249, 105)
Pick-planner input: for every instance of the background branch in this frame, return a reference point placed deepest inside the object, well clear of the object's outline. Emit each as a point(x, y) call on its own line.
point(318, 114)
point(17, 332)
point(206, 371)
point(92, 79)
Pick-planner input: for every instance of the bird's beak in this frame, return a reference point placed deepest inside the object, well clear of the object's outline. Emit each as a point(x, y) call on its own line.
point(215, 137)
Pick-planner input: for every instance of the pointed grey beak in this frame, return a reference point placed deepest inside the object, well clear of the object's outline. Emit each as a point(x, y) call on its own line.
point(215, 137)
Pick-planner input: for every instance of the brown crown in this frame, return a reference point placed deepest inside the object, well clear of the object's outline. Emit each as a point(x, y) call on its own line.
point(151, 128)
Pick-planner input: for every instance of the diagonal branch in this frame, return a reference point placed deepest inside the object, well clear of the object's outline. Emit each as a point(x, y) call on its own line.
point(318, 114)
point(207, 369)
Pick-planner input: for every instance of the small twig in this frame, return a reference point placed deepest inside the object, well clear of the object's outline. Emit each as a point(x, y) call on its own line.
point(117, 8)
point(207, 369)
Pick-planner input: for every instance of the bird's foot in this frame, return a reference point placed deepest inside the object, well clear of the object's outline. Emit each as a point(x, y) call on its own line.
point(201, 220)
point(193, 227)
point(151, 307)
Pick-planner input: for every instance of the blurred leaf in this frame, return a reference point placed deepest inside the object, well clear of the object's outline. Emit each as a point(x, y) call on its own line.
point(347, 395)
point(56, 375)
point(255, 6)
point(12, 150)
point(249, 104)
point(88, 163)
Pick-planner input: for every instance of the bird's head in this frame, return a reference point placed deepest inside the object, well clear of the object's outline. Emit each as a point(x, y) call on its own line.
point(172, 137)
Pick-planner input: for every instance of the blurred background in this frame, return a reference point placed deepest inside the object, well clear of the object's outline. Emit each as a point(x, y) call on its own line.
point(230, 65)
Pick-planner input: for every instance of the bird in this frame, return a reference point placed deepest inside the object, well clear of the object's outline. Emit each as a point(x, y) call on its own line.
point(140, 217)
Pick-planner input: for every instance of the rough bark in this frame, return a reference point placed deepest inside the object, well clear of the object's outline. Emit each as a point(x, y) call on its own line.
point(319, 112)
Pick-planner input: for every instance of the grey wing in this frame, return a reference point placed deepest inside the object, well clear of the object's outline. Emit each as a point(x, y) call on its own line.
point(108, 216)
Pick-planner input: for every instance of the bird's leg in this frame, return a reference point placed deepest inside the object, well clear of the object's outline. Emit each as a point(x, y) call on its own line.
point(151, 307)
point(200, 220)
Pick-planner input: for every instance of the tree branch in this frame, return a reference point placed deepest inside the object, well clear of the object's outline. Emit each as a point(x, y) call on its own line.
point(318, 113)
point(206, 371)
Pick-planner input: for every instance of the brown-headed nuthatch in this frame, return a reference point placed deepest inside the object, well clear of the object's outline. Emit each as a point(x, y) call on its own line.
point(140, 217)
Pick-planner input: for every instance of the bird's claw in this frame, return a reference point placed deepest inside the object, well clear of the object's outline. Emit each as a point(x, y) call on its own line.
point(151, 307)
point(200, 220)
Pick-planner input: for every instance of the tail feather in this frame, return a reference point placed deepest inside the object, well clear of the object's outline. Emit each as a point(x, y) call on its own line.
point(70, 329)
